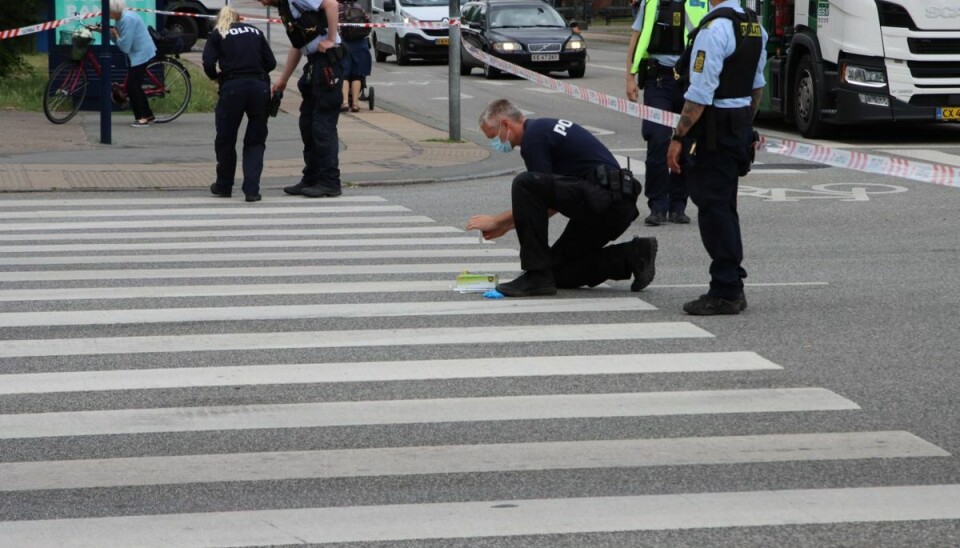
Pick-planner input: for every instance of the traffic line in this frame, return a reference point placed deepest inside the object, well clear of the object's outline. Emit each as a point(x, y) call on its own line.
point(476, 307)
point(173, 291)
point(349, 338)
point(407, 370)
point(461, 459)
point(252, 272)
point(237, 243)
point(207, 201)
point(183, 223)
point(260, 233)
point(484, 251)
point(445, 410)
point(199, 211)
point(495, 518)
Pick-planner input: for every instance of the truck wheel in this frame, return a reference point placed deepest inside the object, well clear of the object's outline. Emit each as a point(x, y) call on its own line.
point(402, 57)
point(806, 101)
point(186, 27)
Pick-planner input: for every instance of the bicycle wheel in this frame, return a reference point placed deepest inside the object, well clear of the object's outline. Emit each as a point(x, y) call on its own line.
point(167, 87)
point(66, 91)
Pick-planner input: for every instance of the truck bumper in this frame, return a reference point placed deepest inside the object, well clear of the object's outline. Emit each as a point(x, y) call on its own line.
point(852, 109)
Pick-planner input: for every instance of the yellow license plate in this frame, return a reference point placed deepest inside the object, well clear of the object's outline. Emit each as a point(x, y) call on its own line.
point(443, 41)
point(948, 113)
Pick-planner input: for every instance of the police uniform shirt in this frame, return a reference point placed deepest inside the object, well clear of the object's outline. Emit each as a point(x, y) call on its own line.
point(663, 59)
point(244, 51)
point(299, 6)
point(561, 147)
point(714, 43)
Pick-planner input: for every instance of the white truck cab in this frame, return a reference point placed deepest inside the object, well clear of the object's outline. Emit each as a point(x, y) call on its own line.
point(410, 42)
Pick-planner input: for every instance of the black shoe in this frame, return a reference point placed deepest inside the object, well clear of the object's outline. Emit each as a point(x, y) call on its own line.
point(713, 306)
point(679, 217)
point(741, 302)
point(219, 191)
point(318, 191)
point(530, 284)
point(296, 189)
point(642, 258)
point(656, 218)
point(253, 198)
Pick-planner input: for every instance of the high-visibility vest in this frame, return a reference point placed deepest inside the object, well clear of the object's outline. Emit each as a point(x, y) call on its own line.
point(694, 11)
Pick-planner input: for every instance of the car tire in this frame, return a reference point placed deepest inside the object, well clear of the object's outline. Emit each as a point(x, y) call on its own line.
point(490, 73)
point(578, 72)
point(465, 69)
point(378, 54)
point(402, 58)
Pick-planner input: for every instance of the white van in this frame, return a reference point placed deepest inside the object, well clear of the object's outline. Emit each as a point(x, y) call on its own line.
point(410, 42)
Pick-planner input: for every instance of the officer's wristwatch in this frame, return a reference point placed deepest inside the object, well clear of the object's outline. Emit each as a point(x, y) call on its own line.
point(676, 137)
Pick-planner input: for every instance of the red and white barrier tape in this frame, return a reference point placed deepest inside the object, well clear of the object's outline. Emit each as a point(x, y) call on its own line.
point(856, 161)
point(41, 27)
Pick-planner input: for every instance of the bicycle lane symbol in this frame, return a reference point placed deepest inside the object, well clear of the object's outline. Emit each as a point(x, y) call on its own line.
point(845, 192)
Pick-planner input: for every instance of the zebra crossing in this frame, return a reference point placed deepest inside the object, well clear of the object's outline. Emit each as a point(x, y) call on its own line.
point(208, 373)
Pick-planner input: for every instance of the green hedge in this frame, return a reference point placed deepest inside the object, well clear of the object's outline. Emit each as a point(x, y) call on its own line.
point(16, 14)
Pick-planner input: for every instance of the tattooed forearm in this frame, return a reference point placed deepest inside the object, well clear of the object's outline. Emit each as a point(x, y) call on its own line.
point(691, 113)
point(755, 100)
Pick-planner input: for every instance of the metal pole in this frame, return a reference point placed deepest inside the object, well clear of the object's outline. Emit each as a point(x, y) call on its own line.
point(106, 69)
point(268, 24)
point(454, 72)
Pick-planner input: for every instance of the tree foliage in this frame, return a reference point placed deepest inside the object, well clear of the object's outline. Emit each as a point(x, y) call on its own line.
point(16, 14)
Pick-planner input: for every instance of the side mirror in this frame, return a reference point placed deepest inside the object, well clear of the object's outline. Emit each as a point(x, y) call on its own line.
point(389, 5)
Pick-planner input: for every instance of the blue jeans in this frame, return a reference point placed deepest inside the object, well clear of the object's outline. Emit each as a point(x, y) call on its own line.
point(665, 191)
point(319, 113)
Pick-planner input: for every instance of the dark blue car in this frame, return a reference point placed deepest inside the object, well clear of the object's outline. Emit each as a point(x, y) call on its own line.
point(528, 33)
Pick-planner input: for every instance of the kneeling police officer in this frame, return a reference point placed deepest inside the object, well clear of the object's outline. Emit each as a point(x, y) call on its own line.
point(571, 172)
point(245, 60)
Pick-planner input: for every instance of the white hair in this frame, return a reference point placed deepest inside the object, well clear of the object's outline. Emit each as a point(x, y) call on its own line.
point(117, 6)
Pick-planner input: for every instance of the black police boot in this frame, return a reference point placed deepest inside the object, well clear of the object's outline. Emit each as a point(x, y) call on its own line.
point(318, 191)
point(714, 306)
point(656, 218)
point(219, 191)
point(642, 258)
point(530, 284)
point(296, 189)
point(253, 198)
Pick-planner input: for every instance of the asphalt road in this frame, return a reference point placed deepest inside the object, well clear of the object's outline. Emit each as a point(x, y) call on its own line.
point(324, 397)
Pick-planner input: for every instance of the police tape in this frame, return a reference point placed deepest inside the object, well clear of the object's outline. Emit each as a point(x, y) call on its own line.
point(41, 27)
point(856, 161)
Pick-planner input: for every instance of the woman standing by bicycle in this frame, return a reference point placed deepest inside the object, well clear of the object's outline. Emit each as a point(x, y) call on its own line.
point(131, 36)
point(245, 60)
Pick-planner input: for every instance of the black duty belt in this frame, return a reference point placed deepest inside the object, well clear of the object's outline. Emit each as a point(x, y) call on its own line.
point(263, 76)
point(656, 70)
point(620, 181)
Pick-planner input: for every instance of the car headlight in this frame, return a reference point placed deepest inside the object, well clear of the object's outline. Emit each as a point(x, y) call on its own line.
point(861, 76)
point(506, 47)
point(408, 20)
point(575, 45)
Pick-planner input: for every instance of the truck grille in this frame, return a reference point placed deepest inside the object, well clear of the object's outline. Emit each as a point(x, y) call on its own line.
point(934, 46)
point(934, 69)
point(544, 48)
point(935, 100)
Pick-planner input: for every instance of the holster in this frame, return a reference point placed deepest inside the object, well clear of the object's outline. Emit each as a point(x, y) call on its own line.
point(620, 181)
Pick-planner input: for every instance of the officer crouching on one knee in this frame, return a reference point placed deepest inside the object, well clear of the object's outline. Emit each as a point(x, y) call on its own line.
point(726, 83)
point(245, 61)
point(568, 171)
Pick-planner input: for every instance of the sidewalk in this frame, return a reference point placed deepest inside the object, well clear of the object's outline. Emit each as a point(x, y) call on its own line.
point(376, 147)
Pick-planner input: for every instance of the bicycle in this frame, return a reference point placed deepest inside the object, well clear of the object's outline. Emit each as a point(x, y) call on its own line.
point(166, 84)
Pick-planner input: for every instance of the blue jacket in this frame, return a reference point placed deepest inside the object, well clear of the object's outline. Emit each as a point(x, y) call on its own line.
point(134, 39)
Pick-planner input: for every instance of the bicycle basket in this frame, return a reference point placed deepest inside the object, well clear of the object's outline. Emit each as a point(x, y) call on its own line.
point(80, 39)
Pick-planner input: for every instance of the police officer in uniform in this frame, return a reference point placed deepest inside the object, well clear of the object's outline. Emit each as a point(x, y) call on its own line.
point(245, 60)
point(311, 26)
point(659, 38)
point(726, 84)
point(568, 171)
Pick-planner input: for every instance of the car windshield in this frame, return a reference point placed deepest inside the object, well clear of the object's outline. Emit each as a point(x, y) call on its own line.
point(417, 3)
point(525, 16)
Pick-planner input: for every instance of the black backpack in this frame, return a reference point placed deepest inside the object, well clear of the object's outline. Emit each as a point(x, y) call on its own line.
point(351, 12)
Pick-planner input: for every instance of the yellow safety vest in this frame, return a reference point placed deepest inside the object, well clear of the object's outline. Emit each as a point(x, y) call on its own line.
point(694, 11)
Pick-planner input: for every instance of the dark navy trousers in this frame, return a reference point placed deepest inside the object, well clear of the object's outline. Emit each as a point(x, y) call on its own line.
point(239, 97)
point(713, 176)
point(319, 113)
point(665, 191)
point(596, 217)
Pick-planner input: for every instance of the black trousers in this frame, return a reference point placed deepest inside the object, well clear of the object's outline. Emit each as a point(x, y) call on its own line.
point(713, 176)
point(665, 191)
point(319, 114)
point(243, 96)
point(138, 100)
point(597, 217)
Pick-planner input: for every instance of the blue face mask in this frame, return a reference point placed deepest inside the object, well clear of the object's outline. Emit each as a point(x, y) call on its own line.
point(500, 146)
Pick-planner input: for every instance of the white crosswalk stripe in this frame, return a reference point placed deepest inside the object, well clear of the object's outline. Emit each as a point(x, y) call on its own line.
point(121, 385)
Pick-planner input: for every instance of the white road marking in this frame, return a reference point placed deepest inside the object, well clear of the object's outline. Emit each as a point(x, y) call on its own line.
point(221, 234)
point(182, 223)
point(304, 373)
point(185, 200)
point(199, 211)
point(461, 459)
point(349, 338)
point(361, 413)
point(238, 244)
